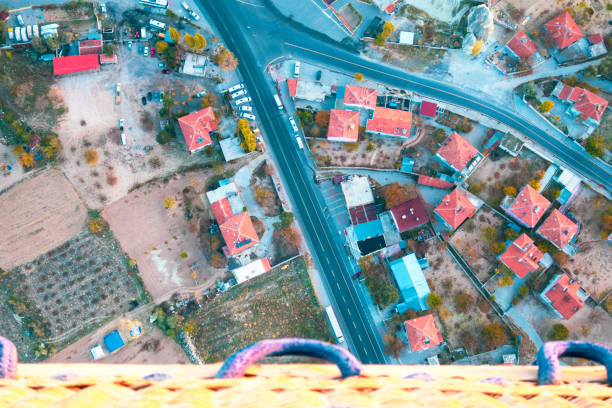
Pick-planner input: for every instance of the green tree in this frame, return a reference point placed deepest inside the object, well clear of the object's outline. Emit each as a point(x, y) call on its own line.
point(286, 218)
point(595, 146)
point(370, 147)
point(493, 335)
point(546, 106)
point(169, 56)
point(558, 332)
point(161, 47)
point(163, 137)
point(591, 71)
point(108, 49)
point(38, 45)
point(529, 90)
point(433, 301)
point(174, 34)
point(52, 43)
point(605, 67)
point(383, 293)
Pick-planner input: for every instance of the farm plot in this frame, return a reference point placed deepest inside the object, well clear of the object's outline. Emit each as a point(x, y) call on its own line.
point(77, 285)
point(37, 215)
point(280, 303)
point(479, 240)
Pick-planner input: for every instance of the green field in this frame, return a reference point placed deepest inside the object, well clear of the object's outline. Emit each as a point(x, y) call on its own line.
point(280, 303)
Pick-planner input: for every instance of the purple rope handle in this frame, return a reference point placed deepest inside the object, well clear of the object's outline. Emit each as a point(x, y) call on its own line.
point(237, 363)
point(8, 359)
point(549, 369)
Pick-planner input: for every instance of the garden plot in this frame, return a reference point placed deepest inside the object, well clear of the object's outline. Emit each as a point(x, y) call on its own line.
point(38, 215)
point(591, 264)
point(280, 303)
point(476, 237)
point(77, 285)
point(373, 152)
point(462, 320)
point(500, 170)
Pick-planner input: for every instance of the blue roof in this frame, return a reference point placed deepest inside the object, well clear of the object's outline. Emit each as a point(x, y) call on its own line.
point(407, 164)
point(411, 282)
point(223, 182)
point(369, 229)
point(113, 341)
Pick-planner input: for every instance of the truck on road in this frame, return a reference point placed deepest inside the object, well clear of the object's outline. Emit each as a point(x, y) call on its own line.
point(334, 324)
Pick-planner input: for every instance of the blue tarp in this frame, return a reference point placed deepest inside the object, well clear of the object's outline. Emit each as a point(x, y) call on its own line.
point(113, 341)
point(407, 164)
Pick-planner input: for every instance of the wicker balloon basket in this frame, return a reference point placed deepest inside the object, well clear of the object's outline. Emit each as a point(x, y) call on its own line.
point(346, 383)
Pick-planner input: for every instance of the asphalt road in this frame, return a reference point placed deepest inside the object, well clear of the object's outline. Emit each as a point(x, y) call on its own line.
point(324, 243)
point(259, 35)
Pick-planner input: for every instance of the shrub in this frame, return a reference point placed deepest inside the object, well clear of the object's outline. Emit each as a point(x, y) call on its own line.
point(351, 147)
point(169, 202)
point(493, 335)
point(358, 77)
point(463, 302)
point(91, 157)
point(433, 301)
point(558, 332)
point(97, 225)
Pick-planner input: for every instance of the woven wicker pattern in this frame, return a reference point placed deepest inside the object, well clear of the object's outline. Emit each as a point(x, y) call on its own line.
point(299, 386)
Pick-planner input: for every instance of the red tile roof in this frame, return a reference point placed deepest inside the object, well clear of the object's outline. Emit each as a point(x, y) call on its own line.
point(564, 296)
point(409, 215)
point(343, 125)
point(522, 256)
point(457, 151)
point(292, 84)
point(196, 128)
point(565, 92)
point(390, 8)
point(589, 105)
point(422, 333)
point(222, 210)
point(434, 182)
point(596, 38)
point(90, 47)
point(75, 63)
point(390, 122)
point(238, 233)
point(558, 229)
point(108, 59)
point(522, 45)
point(428, 109)
point(358, 96)
point(455, 208)
point(528, 206)
point(564, 30)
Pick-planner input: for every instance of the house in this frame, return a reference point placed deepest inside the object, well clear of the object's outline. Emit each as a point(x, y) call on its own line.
point(521, 46)
point(558, 229)
point(563, 29)
point(409, 215)
point(583, 103)
point(312, 91)
point(385, 5)
point(363, 213)
point(196, 128)
point(357, 191)
point(434, 182)
point(522, 256)
point(369, 236)
point(411, 282)
point(597, 46)
point(357, 97)
point(96, 352)
point(528, 207)
point(343, 125)
point(292, 85)
point(564, 296)
point(238, 233)
point(422, 333)
point(75, 63)
point(454, 209)
point(225, 202)
point(406, 38)
point(390, 122)
point(457, 153)
point(428, 109)
point(251, 270)
point(113, 341)
point(193, 64)
point(87, 47)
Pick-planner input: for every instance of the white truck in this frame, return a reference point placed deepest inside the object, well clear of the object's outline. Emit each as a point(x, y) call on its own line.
point(279, 104)
point(157, 24)
point(334, 324)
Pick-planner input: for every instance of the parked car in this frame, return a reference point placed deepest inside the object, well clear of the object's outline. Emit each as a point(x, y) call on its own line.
point(123, 140)
point(298, 139)
point(152, 51)
point(245, 108)
point(235, 88)
point(243, 100)
point(296, 69)
point(318, 75)
point(161, 96)
point(129, 45)
point(166, 71)
point(140, 49)
point(194, 15)
point(149, 96)
point(121, 124)
point(238, 93)
point(162, 65)
point(185, 6)
point(248, 116)
point(156, 96)
point(118, 88)
point(293, 125)
point(143, 100)
point(146, 51)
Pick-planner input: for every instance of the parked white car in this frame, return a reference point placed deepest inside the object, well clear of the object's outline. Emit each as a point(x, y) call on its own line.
point(235, 88)
point(238, 93)
point(293, 125)
point(146, 51)
point(121, 124)
point(194, 15)
point(248, 116)
point(243, 100)
point(118, 88)
point(298, 139)
point(296, 69)
point(246, 108)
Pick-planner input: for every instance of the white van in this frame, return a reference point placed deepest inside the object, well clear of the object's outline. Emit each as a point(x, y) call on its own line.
point(293, 125)
point(298, 139)
point(20, 20)
point(296, 70)
point(235, 88)
point(278, 102)
point(123, 140)
point(157, 24)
